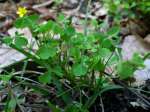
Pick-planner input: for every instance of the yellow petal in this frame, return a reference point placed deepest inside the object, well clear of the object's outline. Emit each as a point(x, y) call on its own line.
point(21, 11)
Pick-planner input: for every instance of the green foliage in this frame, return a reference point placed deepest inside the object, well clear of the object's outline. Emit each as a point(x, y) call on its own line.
point(26, 21)
point(5, 78)
point(45, 52)
point(73, 59)
point(8, 40)
point(113, 31)
point(79, 69)
point(20, 42)
point(130, 8)
point(126, 69)
point(137, 60)
point(45, 78)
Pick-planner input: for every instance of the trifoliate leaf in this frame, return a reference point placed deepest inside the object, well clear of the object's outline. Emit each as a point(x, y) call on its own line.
point(45, 78)
point(79, 70)
point(137, 60)
point(46, 52)
point(45, 27)
point(26, 21)
point(20, 42)
point(125, 70)
point(104, 53)
point(58, 71)
point(7, 40)
point(106, 43)
point(99, 66)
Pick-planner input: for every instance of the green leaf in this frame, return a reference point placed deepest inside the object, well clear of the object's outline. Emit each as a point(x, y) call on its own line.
point(106, 43)
point(74, 52)
point(58, 71)
point(68, 32)
point(20, 42)
point(75, 107)
point(58, 29)
point(113, 31)
point(45, 52)
point(33, 18)
point(94, 22)
point(45, 78)
point(45, 27)
point(137, 60)
point(5, 78)
point(126, 5)
point(99, 36)
point(78, 41)
point(79, 70)
point(26, 21)
point(7, 40)
point(12, 104)
point(104, 53)
point(20, 23)
point(113, 60)
point(62, 19)
point(99, 66)
point(125, 70)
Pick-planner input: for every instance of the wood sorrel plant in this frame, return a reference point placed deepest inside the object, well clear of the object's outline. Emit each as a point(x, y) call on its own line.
point(75, 63)
point(127, 8)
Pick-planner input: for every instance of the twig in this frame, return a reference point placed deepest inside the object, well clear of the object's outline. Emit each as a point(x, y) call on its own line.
point(35, 106)
point(102, 105)
point(75, 11)
point(86, 18)
point(127, 88)
point(28, 72)
point(26, 79)
point(43, 4)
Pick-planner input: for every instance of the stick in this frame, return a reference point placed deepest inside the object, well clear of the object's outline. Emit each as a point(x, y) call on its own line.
point(43, 4)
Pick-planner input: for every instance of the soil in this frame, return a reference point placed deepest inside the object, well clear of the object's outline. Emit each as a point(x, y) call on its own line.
point(118, 101)
point(112, 101)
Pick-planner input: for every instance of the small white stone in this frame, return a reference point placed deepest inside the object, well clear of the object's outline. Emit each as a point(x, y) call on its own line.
point(142, 75)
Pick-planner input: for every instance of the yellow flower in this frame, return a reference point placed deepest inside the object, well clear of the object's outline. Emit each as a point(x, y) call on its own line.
point(21, 11)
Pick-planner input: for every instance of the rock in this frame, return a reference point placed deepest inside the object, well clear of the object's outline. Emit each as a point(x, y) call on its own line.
point(8, 55)
point(134, 44)
point(142, 75)
point(138, 27)
point(147, 38)
point(28, 35)
point(101, 12)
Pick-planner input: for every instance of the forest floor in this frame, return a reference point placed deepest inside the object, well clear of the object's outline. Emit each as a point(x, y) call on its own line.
point(135, 38)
